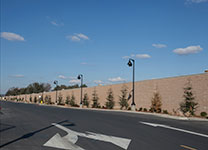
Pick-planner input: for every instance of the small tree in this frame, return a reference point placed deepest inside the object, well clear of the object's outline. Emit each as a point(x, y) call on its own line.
point(67, 100)
point(123, 100)
point(95, 99)
point(156, 103)
point(30, 99)
point(188, 105)
point(35, 99)
point(110, 99)
point(60, 99)
point(47, 99)
point(72, 100)
point(86, 100)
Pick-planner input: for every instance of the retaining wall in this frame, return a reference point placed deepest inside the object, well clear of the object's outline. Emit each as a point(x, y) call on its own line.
point(171, 91)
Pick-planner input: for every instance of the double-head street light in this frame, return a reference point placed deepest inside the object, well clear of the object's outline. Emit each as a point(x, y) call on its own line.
point(80, 77)
point(56, 83)
point(131, 63)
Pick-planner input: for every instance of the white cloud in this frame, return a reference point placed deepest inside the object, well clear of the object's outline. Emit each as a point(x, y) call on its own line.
point(12, 36)
point(56, 24)
point(142, 56)
point(196, 1)
point(74, 81)
point(159, 45)
point(77, 37)
point(62, 77)
point(98, 81)
point(73, 38)
point(17, 76)
point(188, 50)
point(125, 57)
point(117, 79)
point(82, 36)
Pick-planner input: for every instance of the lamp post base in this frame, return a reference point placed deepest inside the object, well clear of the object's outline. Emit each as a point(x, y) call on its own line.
point(80, 106)
point(133, 107)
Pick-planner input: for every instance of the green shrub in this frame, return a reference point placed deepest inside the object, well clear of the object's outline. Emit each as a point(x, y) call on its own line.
point(188, 105)
point(165, 112)
point(67, 100)
point(103, 107)
point(30, 99)
point(140, 109)
point(151, 110)
point(203, 114)
point(60, 99)
point(35, 99)
point(110, 100)
point(48, 99)
point(86, 100)
point(123, 100)
point(72, 101)
point(95, 99)
point(156, 103)
point(145, 109)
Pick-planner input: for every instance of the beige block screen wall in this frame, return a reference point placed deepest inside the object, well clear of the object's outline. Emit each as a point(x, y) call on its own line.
point(170, 89)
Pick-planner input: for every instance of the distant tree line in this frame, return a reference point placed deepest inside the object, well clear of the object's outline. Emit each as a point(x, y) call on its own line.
point(38, 88)
point(31, 88)
point(61, 87)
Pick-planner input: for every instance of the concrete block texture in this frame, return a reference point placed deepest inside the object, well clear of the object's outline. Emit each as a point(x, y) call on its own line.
point(170, 89)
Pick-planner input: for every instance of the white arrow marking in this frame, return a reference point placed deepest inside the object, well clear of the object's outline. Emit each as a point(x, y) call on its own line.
point(68, 141)
point(121, 142)
point(172, 128)
point(61, 142)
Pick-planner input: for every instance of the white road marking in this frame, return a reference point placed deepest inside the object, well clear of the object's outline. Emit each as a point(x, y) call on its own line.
point(68, 141)
point(173, 128)
point(61, 142)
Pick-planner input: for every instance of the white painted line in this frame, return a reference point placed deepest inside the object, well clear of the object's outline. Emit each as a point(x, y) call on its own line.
point(68, 141)
point(173, 128)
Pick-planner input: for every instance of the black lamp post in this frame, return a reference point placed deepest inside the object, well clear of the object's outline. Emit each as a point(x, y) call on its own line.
point(80, 77)
point(130, 64)
point(56, 83)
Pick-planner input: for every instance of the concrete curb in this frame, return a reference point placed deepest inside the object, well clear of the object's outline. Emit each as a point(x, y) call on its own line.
point(136, 112)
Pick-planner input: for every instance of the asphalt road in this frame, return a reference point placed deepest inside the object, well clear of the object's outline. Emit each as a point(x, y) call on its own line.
point(29, 127)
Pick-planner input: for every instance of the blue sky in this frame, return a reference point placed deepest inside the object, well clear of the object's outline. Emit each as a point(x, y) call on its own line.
point(47, 40)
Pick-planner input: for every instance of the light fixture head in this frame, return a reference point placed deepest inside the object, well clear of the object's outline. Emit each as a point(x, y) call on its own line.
point(129, 63)
point(55, 82)
point(79, 77)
